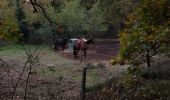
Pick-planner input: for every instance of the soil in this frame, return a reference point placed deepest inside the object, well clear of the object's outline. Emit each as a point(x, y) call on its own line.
point(45, 83)
point(99, 51)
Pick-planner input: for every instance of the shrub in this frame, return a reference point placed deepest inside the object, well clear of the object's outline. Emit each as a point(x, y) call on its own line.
point(42, 35)
point(132, 85)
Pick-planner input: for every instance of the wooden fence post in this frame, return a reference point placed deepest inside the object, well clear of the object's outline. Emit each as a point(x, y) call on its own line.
point(83, 85)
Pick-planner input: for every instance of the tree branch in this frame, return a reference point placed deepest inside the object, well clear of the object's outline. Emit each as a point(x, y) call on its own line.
point(31, 58)
point(35, 5)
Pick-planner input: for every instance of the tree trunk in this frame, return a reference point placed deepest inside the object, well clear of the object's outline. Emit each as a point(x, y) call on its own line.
point(22, 24)
point(148, 57)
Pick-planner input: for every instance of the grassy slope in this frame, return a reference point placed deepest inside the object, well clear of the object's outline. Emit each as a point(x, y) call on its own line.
point(52, 64)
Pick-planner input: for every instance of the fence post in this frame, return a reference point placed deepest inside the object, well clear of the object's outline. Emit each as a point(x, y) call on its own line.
point(83, 85)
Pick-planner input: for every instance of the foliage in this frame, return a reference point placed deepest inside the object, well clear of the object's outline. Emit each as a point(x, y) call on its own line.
point(95, 19)
point(44, 34)
point(72, 16)
point(77, 19)
point(146, 31)
point(9, 29)
point(40, 30)
point(132, 86)
point(117, 14)
point(20, 17)
point(159, 70)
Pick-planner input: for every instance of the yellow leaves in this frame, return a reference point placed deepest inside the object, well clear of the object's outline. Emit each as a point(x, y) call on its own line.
point(4, 4)
point(123, 38)
point(1, 35)
point(144, 30)
point(9, 29)
point(132, 17)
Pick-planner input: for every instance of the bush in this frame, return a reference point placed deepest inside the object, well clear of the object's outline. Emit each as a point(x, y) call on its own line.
point(132, 86)
point(118, 60)
point(41, 35)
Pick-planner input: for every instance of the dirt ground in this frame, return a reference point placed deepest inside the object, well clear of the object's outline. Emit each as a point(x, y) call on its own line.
point(58, 75)
point(101, 50)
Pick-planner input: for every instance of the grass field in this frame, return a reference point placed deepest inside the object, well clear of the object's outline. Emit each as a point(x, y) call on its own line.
point(52, 66)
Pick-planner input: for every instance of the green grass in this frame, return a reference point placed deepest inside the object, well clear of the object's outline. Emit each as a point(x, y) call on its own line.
point(16, 49)
point(91, 77)
point(48, 58)
point(53, 65)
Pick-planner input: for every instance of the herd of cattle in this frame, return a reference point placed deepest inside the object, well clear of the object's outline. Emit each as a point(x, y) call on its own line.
point(75, 45)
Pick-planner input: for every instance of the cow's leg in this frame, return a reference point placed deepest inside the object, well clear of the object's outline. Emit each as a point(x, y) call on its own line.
point(56, 46)
point(81, 55)
point(85, 53)
point(63, 46)
point(75, 52)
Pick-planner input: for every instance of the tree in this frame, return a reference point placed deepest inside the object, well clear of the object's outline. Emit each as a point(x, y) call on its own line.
point(72, 16)
point(41, 21)
point(147, 31)
point(77, 19)
point(21, 20)
point(95, 20)
point(9, 29)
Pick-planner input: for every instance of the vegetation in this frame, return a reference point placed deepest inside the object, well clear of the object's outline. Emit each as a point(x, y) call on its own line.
point(147, 31)
point(9, 28)
point(131, 87)
point(141, 26)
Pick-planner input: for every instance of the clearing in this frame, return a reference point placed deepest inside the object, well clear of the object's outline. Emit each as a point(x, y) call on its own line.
point(57, 75)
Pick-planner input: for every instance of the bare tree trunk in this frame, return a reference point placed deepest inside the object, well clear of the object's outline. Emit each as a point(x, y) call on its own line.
point(148, 57)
